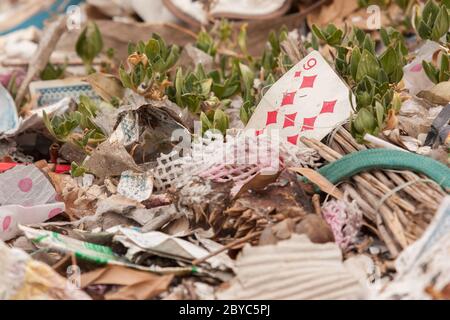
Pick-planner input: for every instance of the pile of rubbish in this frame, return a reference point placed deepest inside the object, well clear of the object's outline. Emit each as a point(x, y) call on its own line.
point(204, 150)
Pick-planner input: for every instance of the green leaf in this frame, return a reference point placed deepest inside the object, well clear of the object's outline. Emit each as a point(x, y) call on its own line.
point(206, 124)
point(131, 48)
point(397, 75)
point(364, 99)
point(315, 42)
point(318, 33)
point(243, 114)
point(152, 49)
point(389, 61)
point(76, 170)
point(392, 65)
point(441, 25)
point(242, 39)
point(274, 43)
point(206, 43)
point(52, 72)
point(140, 48)
point(431, 71)
point(172, 58)
point(221, 121)
point(246, 112)
point(87, 106)
point(368, 66)
point(430, 11)
point(205, 87)
point(90, 43)
point(48, 123)
point(379, 111)
point(369, 44)
point(359, 35)
point(396, 102)
point(247, 75)
point(125, 78)
point(335, 38)
point(178, 86)
point(444, 67)
point(365, 122)
point(423, 30)
point(385, 37)
point(354, 62)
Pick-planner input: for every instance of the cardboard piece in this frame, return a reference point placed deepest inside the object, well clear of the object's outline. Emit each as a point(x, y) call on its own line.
point(136, 285)
point(294, 269)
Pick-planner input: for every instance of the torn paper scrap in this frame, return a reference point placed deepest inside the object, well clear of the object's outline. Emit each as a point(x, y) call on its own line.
point(26, 186)
point(9, 120)
point(165, 245)
point(12, 216)
point(310, 100)
point(127, 131)
point(135, 186)
point(26, 197)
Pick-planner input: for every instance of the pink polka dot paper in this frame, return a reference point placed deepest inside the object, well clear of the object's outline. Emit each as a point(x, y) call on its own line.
point(26, 197)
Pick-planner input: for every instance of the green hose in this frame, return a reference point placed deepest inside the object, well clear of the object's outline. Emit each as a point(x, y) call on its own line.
point(384, 159)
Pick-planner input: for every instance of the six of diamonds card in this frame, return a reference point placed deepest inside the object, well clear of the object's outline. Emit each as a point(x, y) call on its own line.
point(309, 100)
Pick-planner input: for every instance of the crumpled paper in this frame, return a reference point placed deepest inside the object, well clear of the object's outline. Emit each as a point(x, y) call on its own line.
point(90, 251)
point(26, 197)
point(22, 278)
point(165, 245)
point(12, 125)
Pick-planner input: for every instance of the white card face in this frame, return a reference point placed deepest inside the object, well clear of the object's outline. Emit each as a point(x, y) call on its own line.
point(310, 100)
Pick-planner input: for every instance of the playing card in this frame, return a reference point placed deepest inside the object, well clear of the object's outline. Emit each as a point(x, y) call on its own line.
point(309, 100)
point(51, 92)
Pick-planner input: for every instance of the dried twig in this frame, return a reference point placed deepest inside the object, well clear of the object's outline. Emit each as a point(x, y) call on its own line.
point(231, 245)
point(52, 34)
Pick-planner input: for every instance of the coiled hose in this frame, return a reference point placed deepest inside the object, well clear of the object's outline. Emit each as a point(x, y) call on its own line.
point(384, 159)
